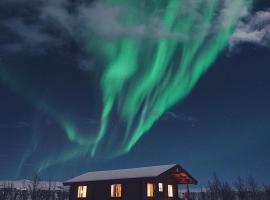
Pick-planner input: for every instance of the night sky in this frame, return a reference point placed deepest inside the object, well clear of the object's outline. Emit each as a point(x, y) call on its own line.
point(54, 92)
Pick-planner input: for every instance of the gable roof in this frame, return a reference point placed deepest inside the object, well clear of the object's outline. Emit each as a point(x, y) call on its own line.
point(141, 172)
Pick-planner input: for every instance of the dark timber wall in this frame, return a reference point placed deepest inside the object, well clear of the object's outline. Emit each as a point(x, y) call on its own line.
point(132, 189)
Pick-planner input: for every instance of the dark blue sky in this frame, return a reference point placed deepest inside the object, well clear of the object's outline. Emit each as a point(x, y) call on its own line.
point(222, 126)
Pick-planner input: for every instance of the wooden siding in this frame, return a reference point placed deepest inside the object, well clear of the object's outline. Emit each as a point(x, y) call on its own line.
point(133, 189)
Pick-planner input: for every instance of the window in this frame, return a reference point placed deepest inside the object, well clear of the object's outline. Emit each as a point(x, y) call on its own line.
point(82, 190)
point(160, 187)
point(150, 189)
point(170, 191)
point(116, 190)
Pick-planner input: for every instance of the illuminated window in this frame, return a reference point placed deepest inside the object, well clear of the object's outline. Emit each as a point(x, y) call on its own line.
point(150, 189)
point(160, 187)
point(82, 190)
point(170, 191)
point(116, 190)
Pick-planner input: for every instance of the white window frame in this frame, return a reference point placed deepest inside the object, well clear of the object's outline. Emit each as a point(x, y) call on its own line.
point(148, 190)
point(160, 187)
point(170, 191)
point(82, 191)
point(115, 194)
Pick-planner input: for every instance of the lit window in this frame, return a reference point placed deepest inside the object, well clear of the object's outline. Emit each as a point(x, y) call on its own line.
point(170, 191)
point(160, 187)
point(150, 189)
point(116, 190)
point(82, 190)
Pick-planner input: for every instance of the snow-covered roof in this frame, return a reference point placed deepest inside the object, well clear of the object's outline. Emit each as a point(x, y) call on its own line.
point(142, 172)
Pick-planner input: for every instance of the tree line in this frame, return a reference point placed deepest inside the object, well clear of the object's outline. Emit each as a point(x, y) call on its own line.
point(241, 189)
point(33, 191)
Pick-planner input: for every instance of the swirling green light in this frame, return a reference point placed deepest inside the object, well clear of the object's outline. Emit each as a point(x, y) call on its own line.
point(146, 73)
point(149, 85)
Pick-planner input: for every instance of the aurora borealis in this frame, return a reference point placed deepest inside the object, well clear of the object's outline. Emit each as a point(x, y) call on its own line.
point(142, 59)
point(155, 84)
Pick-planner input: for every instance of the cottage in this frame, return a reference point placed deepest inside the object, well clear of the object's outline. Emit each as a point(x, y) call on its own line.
point(144, 183)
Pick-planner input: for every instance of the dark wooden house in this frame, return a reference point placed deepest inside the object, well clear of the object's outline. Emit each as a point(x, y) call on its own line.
point(145, 183)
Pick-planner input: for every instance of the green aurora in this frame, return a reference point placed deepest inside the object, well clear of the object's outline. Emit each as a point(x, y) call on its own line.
point(144, 73)
point(144, 79)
